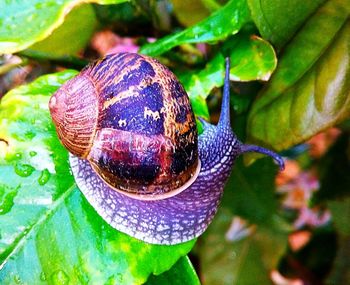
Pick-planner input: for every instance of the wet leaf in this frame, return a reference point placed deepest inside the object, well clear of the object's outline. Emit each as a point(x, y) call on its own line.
point(49, 233)
point(252, 58)
point(309, 91)
point(23, 23)
point(218, 26)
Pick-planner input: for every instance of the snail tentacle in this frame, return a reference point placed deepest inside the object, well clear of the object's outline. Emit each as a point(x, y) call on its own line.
point(254, 148)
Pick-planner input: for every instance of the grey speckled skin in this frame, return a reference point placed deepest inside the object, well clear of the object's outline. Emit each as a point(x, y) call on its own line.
point(182, 217)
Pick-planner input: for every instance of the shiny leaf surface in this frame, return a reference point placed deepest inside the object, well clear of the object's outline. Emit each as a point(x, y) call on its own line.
point(309, 91)
point(23, 23)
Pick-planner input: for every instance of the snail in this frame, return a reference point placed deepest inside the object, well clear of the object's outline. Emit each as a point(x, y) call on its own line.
point(134, 149)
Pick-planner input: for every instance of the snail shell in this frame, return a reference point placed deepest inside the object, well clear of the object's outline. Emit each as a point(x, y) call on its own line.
point(128, 115)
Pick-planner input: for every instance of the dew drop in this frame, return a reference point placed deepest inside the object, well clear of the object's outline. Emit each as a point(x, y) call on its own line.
point(7, 196)
point(44, 177)
point(30, 135)
point(24, 170)
point(43, 276)
point(60, 277)
point(17, 279)
point(12, 157)
point(120, 277)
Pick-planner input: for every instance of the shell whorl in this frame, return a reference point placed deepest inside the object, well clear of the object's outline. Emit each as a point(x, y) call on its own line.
point(74, 109)
point(143, 138)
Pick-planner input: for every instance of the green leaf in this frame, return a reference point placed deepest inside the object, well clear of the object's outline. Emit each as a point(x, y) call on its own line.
point(76, 30)
point(218, 26)
point(49, 233)
point(252, 58)
point(335, 184)
point(334, 169)
point(340, 210)
point(243, 260)
point(340, 273)
point(252, 199)
point(309, 90)
point(23, 23)
point(182, 273)
point(278, 20)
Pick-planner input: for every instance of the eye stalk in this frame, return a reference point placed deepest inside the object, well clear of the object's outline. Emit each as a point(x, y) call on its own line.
point(224, 121)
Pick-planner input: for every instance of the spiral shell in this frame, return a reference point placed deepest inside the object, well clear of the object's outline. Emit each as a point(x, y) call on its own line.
point(128, 115)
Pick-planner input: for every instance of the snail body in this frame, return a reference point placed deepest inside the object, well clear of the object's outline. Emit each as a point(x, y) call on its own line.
point(135, 151)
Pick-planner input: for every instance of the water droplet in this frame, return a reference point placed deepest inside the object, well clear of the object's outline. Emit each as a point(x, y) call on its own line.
point(30, 135)
point(17, 279)
point(113, 280)
point(7, 195)
point(60, 278)
point(24, 170)
point(33, 153)
point(43, 276)
point(44, 177)
point(120, 277)
point(12, 157)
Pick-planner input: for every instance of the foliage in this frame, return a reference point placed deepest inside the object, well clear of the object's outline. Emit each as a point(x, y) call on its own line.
point(290, 73)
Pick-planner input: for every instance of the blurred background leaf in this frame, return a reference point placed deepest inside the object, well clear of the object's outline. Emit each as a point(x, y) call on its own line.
point(233, 255)
point(189, 13)
point(334, 169)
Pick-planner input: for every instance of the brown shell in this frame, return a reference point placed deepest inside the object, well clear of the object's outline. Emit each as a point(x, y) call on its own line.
point(138, 130)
